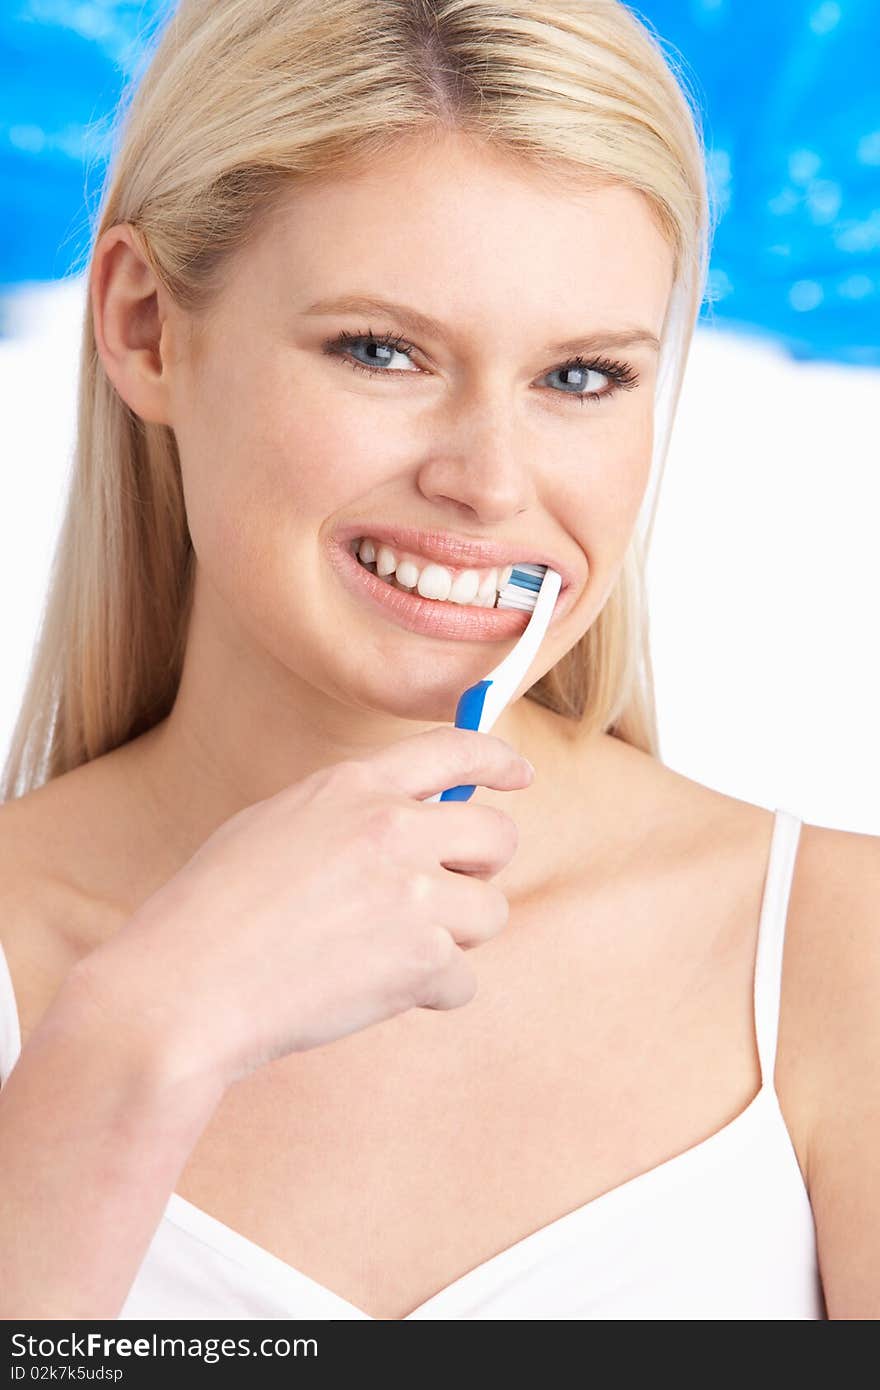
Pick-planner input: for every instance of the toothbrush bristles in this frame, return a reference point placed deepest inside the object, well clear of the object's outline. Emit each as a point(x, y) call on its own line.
point(521, 589)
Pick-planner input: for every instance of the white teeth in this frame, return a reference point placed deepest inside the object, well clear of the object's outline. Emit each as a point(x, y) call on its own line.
point(386, 561)
point(435, 582)
point(464, 587)
point(407, 574)
point(488, 589)
point(472, 587)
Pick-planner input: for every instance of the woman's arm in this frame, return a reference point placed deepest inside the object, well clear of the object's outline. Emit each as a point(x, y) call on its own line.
point(836, 899)
point(96, 1124)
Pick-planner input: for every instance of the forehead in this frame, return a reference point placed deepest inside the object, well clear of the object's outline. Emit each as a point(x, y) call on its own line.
point(473, 236)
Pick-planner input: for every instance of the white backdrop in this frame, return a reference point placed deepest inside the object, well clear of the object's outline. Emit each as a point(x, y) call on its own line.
point(764, 568)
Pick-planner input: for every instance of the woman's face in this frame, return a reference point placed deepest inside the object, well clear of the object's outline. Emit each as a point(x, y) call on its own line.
point(477, 430)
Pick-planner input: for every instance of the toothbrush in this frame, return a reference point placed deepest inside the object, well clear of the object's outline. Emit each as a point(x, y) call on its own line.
point(532, 589)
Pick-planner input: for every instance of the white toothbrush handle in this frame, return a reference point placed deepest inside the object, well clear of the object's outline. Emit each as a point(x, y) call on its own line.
point(481, 704)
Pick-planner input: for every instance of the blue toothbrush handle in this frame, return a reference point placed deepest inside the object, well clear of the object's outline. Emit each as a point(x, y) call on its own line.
point(468, 714)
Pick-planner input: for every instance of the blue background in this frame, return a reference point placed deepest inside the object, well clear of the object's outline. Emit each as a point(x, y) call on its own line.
point(790, 101)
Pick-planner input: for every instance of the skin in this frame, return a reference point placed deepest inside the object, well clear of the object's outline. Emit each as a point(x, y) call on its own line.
point(285, 672)
point(634, 891)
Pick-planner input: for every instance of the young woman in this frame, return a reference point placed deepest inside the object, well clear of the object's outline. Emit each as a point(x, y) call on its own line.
point(378, 286)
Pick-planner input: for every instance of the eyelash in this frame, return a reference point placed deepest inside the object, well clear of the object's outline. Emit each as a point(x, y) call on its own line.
point(621, 373)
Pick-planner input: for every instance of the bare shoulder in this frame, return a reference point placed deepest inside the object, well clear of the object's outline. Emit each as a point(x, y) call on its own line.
point(42, 911)
point(827, 1071)
point(832, 965)
point(710, 854)
point(691, 831)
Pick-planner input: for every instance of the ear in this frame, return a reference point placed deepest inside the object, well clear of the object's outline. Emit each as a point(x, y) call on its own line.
point(131, 322)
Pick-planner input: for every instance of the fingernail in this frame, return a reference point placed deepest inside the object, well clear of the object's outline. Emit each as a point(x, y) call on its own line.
point(528, 765)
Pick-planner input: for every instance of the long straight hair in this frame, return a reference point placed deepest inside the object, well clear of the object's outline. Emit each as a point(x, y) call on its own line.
point(238, 101)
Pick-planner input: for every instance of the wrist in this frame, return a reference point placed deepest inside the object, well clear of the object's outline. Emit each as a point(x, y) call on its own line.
point(106, 998)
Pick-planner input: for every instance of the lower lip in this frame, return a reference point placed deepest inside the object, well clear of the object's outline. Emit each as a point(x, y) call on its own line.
point(431, 617)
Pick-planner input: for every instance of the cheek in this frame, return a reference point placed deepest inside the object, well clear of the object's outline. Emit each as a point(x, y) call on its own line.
point(606, 490)
point(267, 457)
point(317, 444)
point(634, 473)
point(233, 475)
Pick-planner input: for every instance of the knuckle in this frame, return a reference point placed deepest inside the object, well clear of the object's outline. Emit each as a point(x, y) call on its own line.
point(388, 822)
point(509, 827)
point(506, 832)
point(418, 887)
point(464, 748)
point(433, 949)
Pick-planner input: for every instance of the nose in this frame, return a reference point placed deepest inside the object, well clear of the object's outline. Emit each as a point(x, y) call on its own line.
point(480, 466)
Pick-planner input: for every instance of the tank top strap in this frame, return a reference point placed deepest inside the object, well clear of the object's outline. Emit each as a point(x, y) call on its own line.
point(10, 1033)
point(771, 937)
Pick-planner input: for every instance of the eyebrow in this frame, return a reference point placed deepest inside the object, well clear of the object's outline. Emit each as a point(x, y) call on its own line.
point(423, 323)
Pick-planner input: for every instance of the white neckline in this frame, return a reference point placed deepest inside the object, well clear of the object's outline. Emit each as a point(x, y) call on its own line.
point(283, 1277)
point(232, 1244)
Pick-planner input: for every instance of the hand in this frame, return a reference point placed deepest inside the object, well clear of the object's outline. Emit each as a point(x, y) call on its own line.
point(340, 901)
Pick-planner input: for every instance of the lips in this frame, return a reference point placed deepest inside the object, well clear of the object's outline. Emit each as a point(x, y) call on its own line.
point(439, 620)
point(426, 616)
point(455, 551)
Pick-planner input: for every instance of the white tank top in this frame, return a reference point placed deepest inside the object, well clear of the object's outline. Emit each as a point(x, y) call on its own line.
point(724, 1230)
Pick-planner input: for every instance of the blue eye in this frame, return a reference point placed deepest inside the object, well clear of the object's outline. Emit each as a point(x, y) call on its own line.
point(385, 343)
point(621, 374)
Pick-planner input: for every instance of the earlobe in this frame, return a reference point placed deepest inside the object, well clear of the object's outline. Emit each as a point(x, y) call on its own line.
point(128, 323)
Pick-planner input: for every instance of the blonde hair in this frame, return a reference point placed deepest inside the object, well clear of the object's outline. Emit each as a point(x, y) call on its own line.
point(237, 101)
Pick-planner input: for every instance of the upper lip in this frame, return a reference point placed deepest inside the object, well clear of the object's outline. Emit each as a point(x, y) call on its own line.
point(446, 549)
